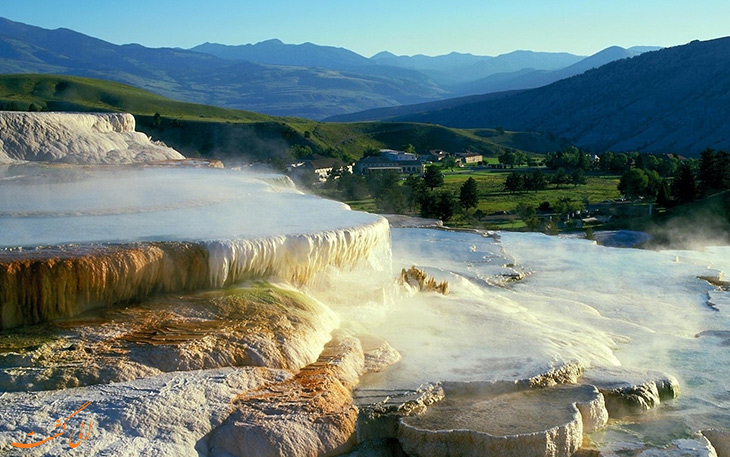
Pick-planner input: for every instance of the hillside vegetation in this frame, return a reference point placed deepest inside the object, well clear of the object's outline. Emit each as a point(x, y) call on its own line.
point(675, 100)
point(201, 130)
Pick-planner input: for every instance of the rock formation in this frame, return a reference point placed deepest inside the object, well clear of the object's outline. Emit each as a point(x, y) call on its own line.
point(81, 138)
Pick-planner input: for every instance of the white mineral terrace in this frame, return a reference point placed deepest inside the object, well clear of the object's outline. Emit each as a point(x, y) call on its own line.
point(83, 138)
point(75, 239)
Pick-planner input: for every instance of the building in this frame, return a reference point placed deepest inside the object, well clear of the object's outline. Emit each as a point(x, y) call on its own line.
point(436, 155)
point(385, 162)
point(398, 156)
point(470, 157)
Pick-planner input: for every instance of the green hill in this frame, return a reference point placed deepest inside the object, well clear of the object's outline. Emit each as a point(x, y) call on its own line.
point(674, 100)
point(71, 93)
point(202, 130)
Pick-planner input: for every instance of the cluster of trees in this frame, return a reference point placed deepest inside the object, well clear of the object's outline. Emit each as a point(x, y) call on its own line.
point(521, 182)
point(441, 204)
point(514, 158)
point(574, 158)
point(690, 179)
point(421, 194)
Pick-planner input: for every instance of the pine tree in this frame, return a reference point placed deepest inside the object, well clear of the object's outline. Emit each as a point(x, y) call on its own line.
point(469, 194)
point(433, 177)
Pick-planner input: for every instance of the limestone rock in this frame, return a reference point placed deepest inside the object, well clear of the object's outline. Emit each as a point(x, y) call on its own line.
point(630, 391)
point(256, 326)
point(312, 414)
point(530, 422)
point(168, 415)
point(81, 138)
point(720, 440)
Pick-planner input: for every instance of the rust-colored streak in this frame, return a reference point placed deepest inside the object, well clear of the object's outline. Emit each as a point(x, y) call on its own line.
point(48, 283)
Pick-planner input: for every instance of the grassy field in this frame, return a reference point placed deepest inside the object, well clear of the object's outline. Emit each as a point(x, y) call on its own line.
point(493, 199)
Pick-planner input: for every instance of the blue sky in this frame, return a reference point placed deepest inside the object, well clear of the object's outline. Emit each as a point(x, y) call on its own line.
point(408, 27)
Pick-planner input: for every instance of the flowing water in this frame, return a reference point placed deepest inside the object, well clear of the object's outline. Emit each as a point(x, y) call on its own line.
point(577, 301)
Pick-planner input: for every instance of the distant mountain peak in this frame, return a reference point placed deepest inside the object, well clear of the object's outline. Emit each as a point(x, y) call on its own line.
point(383, 55)
point(271, 41)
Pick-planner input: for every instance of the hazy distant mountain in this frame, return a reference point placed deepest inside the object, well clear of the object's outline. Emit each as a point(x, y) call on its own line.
point(672, 100)
point(531, 78)
point(275, 78)
point(275, 52)
point(204, 78)
point(456, 68)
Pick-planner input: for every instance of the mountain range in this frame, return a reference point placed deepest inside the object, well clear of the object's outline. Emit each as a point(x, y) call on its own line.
point(272, 77)
point(675, 100)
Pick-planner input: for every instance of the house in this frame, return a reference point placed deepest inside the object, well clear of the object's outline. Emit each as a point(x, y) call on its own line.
point(386, 162)
point(437, 155)
point(398, 156)
point(470, 157)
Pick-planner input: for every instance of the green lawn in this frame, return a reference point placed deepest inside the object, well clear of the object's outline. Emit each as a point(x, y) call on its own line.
point(493, 198)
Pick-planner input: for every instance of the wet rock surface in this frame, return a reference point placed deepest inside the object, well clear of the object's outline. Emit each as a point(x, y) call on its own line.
point(310, 414)
point(539, 421)
point(257, 326)
point(631, 392)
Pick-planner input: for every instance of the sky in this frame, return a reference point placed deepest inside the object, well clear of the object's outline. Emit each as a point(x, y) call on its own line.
point(404, 27)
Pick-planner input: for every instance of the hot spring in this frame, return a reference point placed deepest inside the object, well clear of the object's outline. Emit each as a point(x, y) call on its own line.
point(104, 257)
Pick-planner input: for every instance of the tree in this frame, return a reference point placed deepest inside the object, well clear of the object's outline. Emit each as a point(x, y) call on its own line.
point(620, 163)
point(449, 162)
point(578, 177)
point(566, 205)
point(560, 177)
point(445, 205)
point(352, 186)
point(515, 182)
point(415, 190)
point(663, 196)
point(301, 152)
point(371, 151)
point(584, 161)
point(387, 192)
point(528, 214)
point(589, 234)
point(508, 157)
point(536, 181)
point(685, 186)
point(634, 183)
point(550, 228)
point(520, 158)
point(713, 172)
point(409, 148)
point(433, 177)
point(469, 194)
